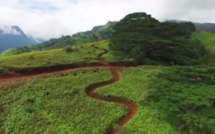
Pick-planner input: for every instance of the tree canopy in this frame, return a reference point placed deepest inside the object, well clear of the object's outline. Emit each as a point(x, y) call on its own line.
point(147, 40)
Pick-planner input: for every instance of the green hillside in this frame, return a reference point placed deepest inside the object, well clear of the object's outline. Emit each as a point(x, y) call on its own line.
point(207, 39)
point(54, 57)
point(150, 77)
point(78, 56)
point(169, 99)
point(42, 106)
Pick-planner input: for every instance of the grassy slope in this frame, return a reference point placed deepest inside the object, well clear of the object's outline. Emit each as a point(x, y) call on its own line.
point(167, 101)
point(162, 102)
point(57, 104)
point(83, 54)
point(7, 52)
point(187, 96)
point(208, 40)
point(37, 59)
point(134, 85)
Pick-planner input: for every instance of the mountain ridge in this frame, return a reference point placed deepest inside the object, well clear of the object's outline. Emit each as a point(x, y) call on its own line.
point(97, 33)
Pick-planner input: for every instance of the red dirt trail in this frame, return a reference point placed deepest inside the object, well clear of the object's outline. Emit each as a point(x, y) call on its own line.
point(90, 91)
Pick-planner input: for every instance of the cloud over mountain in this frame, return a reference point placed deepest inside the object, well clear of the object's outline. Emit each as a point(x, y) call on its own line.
point(9, 30)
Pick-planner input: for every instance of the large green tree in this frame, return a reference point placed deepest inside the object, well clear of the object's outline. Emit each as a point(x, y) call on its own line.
point(145, 39)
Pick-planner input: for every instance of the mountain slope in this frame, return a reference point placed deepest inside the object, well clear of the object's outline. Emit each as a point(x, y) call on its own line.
point(13, 36)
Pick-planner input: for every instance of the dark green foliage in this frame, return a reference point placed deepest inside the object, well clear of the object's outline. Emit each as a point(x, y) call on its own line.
point(148, 41)
point(170, 30)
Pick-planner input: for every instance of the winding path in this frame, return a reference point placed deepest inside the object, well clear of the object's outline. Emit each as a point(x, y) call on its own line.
point(90, 91)
point(92, 88)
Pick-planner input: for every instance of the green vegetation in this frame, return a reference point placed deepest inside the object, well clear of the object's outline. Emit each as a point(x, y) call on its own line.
point(70, 55)
point(148, 41)
point(57, 104)
point(134, 86)
point(187, 95)
point(81, 54)
point(170, 100)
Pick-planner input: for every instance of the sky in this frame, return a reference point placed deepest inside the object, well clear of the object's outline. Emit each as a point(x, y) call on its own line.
point(54, 18)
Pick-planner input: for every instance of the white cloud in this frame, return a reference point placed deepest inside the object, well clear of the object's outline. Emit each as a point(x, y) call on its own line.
point(9, 30)
point(53, 18)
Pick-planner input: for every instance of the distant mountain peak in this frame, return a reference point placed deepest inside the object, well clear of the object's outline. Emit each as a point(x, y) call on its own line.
point(11, 30)
point(13, 36)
